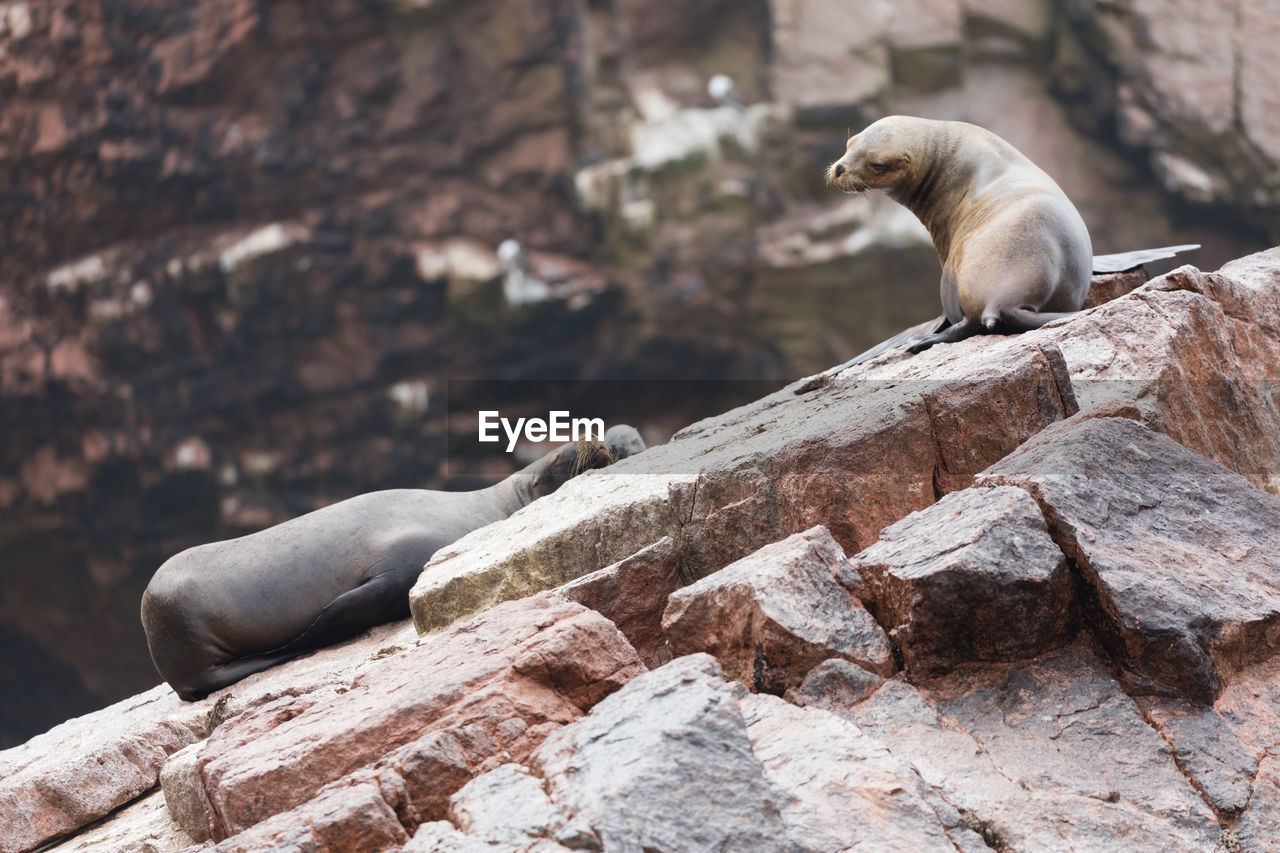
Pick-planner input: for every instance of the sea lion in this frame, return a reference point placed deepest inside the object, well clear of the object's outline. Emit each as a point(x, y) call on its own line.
point(1015, 252)
point(216, 613)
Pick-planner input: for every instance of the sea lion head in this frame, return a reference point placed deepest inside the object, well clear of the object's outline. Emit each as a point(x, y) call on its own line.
point(566, 462)
point(569, 460)
point(878, 158)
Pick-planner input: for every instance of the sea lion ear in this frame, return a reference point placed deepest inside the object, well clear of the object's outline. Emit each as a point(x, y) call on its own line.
point(544, 471)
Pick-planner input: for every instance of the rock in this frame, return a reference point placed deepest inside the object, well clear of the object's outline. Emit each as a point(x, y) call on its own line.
point(143, 826)
point(1259, 827)
point(632, 593)
point(853, 455)
point(844, 790)
point(973, 577)
point(827, 59)
point(612, 772)
point(85, 768)
point(1108, 286)
point(78, 772)
point(349, 819)
point(555, 540)
point(1159, 533)
point(183, 793)
point(493, 687)
point(835, 683)
point(1042, 755)
point(1207, 750)
point(441, 837)
point(772, 616)
point(1225, 748)
point(1182, 344)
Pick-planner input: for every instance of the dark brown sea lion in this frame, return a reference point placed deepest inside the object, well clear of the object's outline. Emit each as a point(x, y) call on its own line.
point(218, 612)
point(1015, 252)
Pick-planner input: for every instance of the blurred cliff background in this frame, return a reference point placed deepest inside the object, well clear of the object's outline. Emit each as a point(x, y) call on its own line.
point(248, 244)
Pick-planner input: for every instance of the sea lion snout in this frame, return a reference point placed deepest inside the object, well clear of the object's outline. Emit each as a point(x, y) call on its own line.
point(841, 175)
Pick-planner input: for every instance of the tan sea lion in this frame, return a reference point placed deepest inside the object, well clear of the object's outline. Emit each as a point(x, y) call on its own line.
point(1015, 252)
point(216, 613)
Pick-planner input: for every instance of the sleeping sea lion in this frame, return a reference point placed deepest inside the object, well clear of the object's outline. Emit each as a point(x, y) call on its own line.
point(216, 613)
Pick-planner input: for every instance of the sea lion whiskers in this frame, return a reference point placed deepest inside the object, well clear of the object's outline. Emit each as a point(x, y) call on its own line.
point(586, 451)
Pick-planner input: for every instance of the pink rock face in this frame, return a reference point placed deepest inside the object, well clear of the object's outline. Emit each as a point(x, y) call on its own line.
point(1046, 754)
point(1182, 555)
point(772, 616)
point(86, 768)
point(495, 686)
point(1105, 287)
point(354, 819)
point(1228, 749)
point(973, 577)
point(663, 764)
point(632, 593)
point(1195, 354)
point(844, 788)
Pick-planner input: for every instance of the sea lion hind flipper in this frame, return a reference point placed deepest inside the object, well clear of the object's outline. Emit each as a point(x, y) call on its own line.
point(1124, 261)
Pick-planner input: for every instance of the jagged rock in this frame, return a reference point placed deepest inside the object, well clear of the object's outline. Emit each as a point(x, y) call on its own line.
point(835, 682)
point(1258, 830)
point(973, 577)
point(852, 455)
point(348, 819)
point(844, 790)
point(772, 616)
point(1042, 755)
point(84, 769)
point(1159, 533)
point(632, 593)
point(1225, 748)
point(48, 780)
point(493, 688)
point(611, 774)
point(1207, 750)
point(1109, 286)
point(143, 826)
point(441, 837)
point(1184, 344)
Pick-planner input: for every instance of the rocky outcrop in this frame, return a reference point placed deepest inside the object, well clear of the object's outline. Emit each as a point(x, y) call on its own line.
point(1114, 492)
point(853, 456)
point(248, 246)
point(973, 577)
point(775, 614)
point(1059, 637)
point(1195, 92)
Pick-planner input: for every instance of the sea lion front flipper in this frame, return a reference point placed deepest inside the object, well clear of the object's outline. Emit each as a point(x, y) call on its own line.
point(966, 328)
point(937, 324)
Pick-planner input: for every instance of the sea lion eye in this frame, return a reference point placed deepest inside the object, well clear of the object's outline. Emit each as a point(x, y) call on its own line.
point(879, 168)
